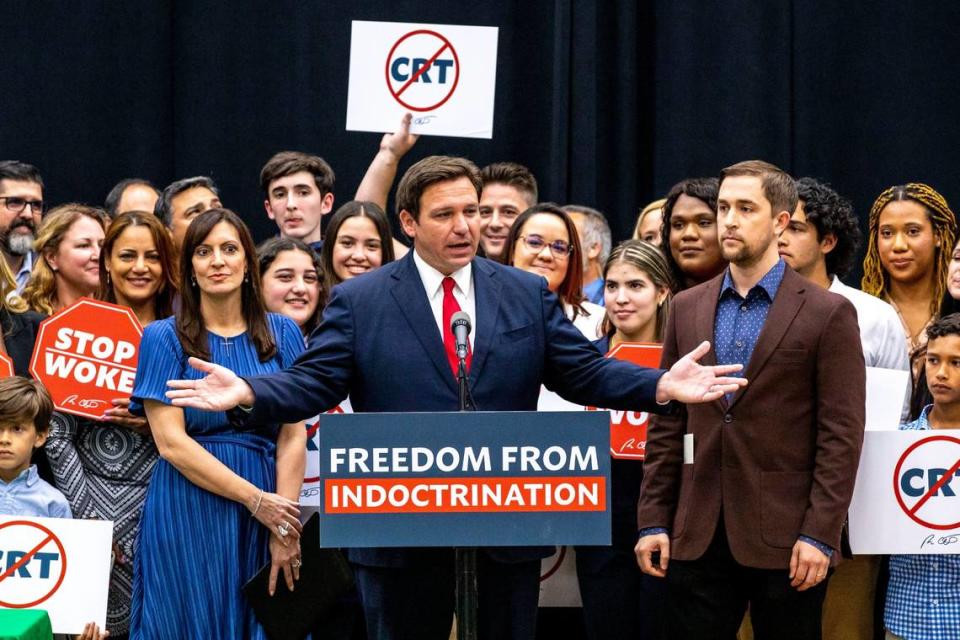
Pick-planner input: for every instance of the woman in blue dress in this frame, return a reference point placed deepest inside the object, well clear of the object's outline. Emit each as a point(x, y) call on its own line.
point(222, 502)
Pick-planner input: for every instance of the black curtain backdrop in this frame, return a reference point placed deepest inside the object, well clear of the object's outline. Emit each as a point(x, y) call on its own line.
point(609, 102)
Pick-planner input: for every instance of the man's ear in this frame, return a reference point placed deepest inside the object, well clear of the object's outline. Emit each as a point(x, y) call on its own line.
point(780, 222)
point(408, 224)
point(327, 204)
point(593, 252)
point(828, 243)
point(266, 206)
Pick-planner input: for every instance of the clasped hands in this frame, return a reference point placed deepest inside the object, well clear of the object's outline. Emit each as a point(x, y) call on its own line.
point(281, 517)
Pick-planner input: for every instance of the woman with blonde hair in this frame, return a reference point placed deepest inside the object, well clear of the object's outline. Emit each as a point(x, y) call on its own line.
point(649, 223)
point(912, 233)
point(68, 246)
point(18, 325)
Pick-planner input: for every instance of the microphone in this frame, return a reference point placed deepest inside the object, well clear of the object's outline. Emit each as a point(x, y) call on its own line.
point(460, 326)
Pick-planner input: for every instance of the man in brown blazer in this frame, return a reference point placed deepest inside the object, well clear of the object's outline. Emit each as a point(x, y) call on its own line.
point(744, 498)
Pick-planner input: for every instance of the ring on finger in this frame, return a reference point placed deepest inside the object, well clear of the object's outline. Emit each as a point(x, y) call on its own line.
point(295, 563)
point(283, 530)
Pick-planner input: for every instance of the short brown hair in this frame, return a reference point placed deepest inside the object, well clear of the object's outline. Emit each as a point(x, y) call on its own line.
point(779, 188)
point(287, 163)
point(25, 400)
point(513, 175)
point(431, 170)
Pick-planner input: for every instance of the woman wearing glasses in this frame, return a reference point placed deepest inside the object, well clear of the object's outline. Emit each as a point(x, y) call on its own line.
point(543, 240)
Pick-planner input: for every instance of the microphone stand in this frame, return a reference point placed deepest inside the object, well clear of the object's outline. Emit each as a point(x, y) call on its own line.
point(465, 558)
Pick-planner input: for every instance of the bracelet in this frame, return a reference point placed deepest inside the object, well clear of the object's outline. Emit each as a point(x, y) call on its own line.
point(257, 508)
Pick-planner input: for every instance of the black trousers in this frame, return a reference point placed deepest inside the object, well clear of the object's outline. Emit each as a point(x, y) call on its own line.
point(416, 603)
point(707, 598)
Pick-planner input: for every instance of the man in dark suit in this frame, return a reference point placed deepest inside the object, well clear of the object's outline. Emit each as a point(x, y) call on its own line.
point(745, 497)
point(385, 340)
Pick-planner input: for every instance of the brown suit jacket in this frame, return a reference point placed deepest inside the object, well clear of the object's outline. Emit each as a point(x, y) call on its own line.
point(781, 458)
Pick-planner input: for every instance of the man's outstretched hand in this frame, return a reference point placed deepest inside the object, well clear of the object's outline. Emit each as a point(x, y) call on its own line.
point(690, 382)
point(219, 390)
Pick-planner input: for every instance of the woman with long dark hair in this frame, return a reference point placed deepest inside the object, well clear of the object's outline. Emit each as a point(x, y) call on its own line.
point(198, 543)
point(358, 240)
point(104, 467)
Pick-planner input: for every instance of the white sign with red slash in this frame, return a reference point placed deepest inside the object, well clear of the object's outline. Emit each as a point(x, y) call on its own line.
point(60, 565)
point(558, 579)
point(310, 491)
point(445, 75)
point(907, 496)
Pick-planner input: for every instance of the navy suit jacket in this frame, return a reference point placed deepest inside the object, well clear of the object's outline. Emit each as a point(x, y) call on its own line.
point(379, 344)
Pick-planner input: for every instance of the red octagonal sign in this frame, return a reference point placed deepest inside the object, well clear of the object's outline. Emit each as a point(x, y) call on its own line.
point(628, 429)
point(86, 356)
point(6, 366)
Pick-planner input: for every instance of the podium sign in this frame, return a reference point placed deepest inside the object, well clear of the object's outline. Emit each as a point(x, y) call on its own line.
point(465, 479)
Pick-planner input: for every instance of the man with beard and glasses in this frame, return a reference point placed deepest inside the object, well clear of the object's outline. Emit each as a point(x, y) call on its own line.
point(21, 206)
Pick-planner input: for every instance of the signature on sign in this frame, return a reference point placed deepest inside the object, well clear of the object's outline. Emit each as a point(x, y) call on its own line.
point(934, 540)
point(84, 403)
point(423, 120)
point(631, 445)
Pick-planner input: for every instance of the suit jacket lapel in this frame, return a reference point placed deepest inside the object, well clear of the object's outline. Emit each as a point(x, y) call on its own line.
point(487, 295)
point(706, 318)
point(782, 312)
point(412, 300)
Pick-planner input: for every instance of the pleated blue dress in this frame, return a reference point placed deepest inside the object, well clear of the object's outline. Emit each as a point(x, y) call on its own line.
point(196, 549)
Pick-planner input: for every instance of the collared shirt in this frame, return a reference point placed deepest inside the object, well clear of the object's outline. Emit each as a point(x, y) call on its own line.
point(881, 334)
point(740, 320)
point(23, 275)
point(923, 598)
point(737, 328)
point(463, 292)
point(593, 291)
point(29, 495)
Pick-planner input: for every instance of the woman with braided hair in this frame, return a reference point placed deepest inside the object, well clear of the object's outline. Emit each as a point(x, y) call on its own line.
point(912, 233)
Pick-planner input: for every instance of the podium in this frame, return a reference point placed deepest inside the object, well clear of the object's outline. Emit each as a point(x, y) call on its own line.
point(465, 479)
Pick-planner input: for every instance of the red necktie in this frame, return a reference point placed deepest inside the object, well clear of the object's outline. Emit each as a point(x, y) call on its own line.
point(450, 307)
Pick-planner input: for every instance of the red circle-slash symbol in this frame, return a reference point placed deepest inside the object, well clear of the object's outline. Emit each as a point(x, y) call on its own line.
point(911, 510)
point(443, 45)
point(46, 538)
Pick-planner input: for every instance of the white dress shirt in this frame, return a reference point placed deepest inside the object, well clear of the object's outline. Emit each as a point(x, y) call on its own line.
point(881, 333)
point(589, 325)
point(463, 292)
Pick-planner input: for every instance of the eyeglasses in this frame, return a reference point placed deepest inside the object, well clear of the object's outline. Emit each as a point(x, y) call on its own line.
point(16, 205)
point(560, 249)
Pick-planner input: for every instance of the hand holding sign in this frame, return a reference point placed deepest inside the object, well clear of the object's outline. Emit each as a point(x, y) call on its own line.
point(445, 74)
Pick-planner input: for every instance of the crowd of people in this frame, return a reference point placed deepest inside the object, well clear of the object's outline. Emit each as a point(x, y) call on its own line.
point(750, 465)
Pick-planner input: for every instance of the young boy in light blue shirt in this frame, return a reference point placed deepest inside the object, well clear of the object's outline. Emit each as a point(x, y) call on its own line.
point(923, 598)
point(25, 409)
